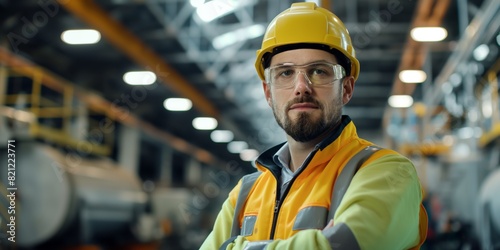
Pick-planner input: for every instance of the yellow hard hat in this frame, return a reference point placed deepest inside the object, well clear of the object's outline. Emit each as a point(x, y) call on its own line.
point(306, 23)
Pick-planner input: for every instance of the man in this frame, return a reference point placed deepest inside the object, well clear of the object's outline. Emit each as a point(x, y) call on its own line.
point(299, 199)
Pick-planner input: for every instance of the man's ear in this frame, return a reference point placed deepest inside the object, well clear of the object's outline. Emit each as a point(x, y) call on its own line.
point(348, 89)
point(267, 93)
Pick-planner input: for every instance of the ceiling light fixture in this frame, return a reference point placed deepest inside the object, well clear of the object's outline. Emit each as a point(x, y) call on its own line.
point(215, 9)
point(221, 136)
point(238, 35)
point(177, 104)
point(139, 77)
point(204, 123)
point(428, 34)
point(81, 36)
point(196, 3)
point(481, 52)
point(248, 154)
point(412, 76)
point(236, 147)
point(400, 101)
point(487, 108)
point(317, 2)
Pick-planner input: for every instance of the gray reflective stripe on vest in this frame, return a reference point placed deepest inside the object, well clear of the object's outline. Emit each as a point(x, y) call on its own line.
point(344, 179)
point(257, 245)
point(246, 184)
point(310, 217)
point(340, 236)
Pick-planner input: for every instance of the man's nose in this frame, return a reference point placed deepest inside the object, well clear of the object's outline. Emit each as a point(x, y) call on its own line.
point(302, 84)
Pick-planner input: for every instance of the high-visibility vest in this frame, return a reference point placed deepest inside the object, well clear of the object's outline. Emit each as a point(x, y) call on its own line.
point(339, 188)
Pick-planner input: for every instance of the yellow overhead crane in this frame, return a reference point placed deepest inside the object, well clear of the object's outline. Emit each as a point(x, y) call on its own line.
point(37, 106)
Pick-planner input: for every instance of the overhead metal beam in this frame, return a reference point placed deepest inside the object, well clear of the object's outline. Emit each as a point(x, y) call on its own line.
point(326, 4)
point(128, 43)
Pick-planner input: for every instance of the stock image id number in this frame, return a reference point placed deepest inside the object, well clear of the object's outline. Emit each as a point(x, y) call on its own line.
point(11, 163)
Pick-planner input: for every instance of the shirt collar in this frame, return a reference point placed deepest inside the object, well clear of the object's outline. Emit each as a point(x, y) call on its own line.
point(282, 159)
point(282, 156)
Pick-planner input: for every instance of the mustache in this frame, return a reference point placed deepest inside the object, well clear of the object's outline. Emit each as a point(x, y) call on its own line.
point(303, 99)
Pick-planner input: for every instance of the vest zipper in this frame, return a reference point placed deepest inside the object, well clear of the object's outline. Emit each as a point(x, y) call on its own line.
point(278, 203)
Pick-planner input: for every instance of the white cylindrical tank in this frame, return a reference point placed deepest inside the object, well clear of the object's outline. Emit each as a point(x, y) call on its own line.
point(61, 192)
point(488, 216)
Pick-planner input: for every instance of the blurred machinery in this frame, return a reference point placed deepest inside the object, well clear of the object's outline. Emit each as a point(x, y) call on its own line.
point(67, 199)
point(488, 221)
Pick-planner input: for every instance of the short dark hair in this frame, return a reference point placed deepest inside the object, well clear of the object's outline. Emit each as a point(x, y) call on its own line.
point(343, 60)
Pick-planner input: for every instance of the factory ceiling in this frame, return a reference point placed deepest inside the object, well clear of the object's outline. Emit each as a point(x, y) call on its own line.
point(170, 38)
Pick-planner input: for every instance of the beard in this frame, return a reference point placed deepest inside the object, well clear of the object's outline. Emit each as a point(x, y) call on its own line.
point(306, 128)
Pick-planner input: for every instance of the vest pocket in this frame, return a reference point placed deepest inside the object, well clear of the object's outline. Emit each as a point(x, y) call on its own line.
point(248, 225)
point(313, 217)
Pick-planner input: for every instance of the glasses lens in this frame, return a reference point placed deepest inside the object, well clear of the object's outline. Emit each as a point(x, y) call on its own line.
point(320, 73)
point(284, 76)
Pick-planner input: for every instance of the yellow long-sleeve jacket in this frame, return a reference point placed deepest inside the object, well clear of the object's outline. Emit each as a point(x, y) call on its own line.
point(381, 208)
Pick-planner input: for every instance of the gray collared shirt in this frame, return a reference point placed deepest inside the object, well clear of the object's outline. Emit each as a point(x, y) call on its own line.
point(282, 158)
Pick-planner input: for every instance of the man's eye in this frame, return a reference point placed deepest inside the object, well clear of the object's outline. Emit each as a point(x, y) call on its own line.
point(319, 72)
point(285, 73)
